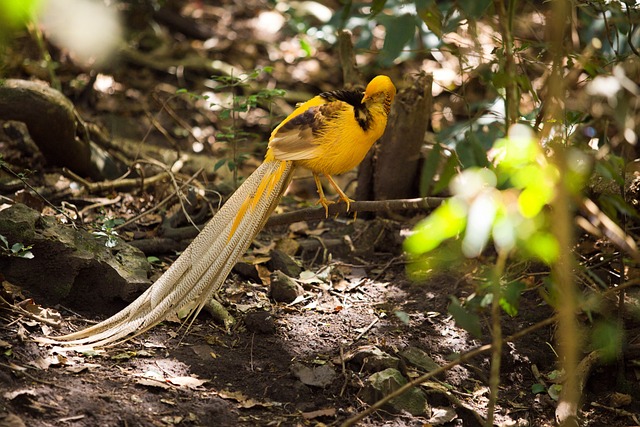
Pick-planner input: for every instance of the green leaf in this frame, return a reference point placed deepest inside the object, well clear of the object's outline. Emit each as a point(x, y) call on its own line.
point(219, 164)
point(429, 169)
point(431, 16)
point(538, 388)
point(449, 170)
point(377, 7)
point(615, 206)
point(111, 242)
point(152, 259)
point(607, 337)
point(14, 13)
point(447, 221)
point(471, 153)
point(400, 31)
point(306, 47)
point(474, 8)
point(544, 246)
point(611, 168)
point(26, 255)
point(554, 391)
point(4, 241)
point(511, 297)
point(465, 319)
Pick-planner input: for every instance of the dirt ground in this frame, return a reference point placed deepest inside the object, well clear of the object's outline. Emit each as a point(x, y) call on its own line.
point(306, 363)
point(211, 377)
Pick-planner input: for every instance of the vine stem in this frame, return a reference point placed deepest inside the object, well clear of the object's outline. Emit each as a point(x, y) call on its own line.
point(496, 334)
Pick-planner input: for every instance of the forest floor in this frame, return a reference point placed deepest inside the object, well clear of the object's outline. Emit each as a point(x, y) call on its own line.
point(308, 362)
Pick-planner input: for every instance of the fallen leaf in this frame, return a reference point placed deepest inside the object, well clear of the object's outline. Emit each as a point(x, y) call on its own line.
point(188, 382)
point(243, 401)
point(327, 412)
point(441, 416)
point(148, 382)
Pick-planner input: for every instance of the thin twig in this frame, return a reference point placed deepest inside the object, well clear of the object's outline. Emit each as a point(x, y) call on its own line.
point(7, 169)
point(162, 202)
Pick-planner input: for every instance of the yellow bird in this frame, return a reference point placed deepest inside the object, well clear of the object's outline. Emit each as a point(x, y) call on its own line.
point(329, 135)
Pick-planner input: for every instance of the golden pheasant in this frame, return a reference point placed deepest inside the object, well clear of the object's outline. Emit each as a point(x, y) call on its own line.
point(329, 134)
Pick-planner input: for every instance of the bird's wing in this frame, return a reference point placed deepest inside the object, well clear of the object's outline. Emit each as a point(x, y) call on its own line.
point(298, 136)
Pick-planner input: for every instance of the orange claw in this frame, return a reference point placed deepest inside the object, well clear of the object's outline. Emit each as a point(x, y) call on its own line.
point(323, 200)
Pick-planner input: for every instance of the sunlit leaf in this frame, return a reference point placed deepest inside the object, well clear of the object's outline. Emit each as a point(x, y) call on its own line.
point(543, 245)
point(479, 224)
point(447, 221)
point(554, 391)
point(15, 13)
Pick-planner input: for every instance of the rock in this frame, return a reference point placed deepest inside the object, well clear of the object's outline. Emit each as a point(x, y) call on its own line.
point(260, 321)
point(284, 288)
point(71, 266)
point(319, 376)
point(247, 271)
point(284, 263)
point(418, 358)
point(372, 359)
point(385, 382)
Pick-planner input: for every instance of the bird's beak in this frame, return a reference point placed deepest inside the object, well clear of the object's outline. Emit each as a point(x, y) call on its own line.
point(364, 98)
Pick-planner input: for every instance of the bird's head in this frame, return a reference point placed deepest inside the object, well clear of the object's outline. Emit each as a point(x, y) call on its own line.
point(379, 89)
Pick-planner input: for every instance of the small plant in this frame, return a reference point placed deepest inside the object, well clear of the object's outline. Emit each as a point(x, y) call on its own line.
point(238, 103)
point(108, 230)
point(18, 250)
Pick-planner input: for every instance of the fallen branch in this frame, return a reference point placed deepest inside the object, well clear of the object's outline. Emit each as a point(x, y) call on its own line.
point(424, 203)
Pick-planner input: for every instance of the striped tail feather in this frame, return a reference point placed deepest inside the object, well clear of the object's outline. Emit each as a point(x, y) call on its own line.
point(202, 268)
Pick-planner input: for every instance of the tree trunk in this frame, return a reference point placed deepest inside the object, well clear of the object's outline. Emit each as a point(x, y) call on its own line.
point(392, 168)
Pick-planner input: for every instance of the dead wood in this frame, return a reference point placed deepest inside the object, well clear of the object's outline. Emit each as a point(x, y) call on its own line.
point(391, 170)
point(56, 128)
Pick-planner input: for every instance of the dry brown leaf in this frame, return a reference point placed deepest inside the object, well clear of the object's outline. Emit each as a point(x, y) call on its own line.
point(327, 412)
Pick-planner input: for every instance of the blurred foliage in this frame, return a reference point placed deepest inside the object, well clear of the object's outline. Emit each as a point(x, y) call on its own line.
point(506, 202)
point(15, 14)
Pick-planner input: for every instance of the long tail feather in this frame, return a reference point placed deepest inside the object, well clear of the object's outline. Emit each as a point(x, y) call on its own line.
point(202, 268)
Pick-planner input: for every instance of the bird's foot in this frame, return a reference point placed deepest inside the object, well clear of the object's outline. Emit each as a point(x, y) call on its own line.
point(347, 200)
point(325, 202)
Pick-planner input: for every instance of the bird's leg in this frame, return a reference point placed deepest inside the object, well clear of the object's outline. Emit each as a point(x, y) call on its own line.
point(322, 199)
point(343, 196)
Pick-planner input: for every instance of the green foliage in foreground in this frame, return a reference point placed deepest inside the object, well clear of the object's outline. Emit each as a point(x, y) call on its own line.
point(506, 203)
